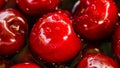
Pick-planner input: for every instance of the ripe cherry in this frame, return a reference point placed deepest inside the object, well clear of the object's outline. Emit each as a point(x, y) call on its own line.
point(54, 39)
point(13, 31)
point(25, 65)
point(97, 61)
point(95, 19)
point(35, 7)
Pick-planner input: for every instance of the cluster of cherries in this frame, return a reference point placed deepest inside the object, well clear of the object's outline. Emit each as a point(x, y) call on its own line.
point(55, 35)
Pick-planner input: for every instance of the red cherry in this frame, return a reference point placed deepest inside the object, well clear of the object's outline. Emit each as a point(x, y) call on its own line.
point(116, 42)
point(35, 7)
point(95, 19)
point(25, 65)
point(97, 61)
point(13, 30)
point(54, 39)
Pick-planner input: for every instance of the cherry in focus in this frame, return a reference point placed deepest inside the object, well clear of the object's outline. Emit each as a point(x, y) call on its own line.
point(95, 19)
point(54, 39)
point(13, 31)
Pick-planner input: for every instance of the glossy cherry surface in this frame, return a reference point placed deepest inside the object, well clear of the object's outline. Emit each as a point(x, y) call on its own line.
point(95, 19)
point(116, 42)
point(97, 61)
point(35, 7)
point(25, 65)
point(53, 38)
point(13, 30)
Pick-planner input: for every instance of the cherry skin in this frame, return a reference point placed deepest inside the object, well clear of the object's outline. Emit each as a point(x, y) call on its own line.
point(97, 61)
point(25, 65)
point(95, 19)
point(35, 7)
point(13, 30)
point(54, 39)
point(116, 42)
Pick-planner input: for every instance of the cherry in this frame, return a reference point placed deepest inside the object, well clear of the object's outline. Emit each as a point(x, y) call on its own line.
point(54, 39)
point(25, 65)
point(116, 42)
point(95, 19)
point(13, 31)
point(35, 7)
point(97, 61)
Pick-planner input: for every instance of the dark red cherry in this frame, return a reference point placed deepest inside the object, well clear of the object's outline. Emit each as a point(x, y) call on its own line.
point(54, 39)
point(97, 61)
point(35, 7)
point(25, 65)
point(13, 30)
point(95, 19)
point(116, 42)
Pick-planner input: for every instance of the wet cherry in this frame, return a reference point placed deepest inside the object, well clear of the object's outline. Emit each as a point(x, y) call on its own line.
point(54, 39)
point(95, 19)
point(13, 31)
